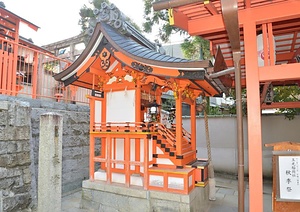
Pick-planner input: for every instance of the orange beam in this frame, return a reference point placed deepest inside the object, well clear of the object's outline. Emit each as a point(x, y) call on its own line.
point(279, 72)
point(180, 20)
point(210, 7)
point(263, 14)
point(284, 56)
point(254, 118)
point(247, 4)
point(281, 105)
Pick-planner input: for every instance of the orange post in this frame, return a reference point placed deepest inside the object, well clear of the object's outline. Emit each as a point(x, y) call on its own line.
point(4, 72)
point(35, 75)
point(92, 113)
point(103, 151)
point(254, 119)
point(92, 155)
point(146, 163)
point(1, 64)
point(137, 154)
point(138, 118)
point(193, 125)
point(127, 160)
point(108, 159)
point(15, 58)
point(179, 123)
point(9, 73)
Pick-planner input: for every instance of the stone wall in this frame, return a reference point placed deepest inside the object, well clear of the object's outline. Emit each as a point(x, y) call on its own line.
point(19, 145)
point(75, 154)
point(15, 174)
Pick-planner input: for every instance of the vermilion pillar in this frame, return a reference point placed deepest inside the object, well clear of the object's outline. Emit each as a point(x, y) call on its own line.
point(179, 123)
point(254, 119)
point(193, 125)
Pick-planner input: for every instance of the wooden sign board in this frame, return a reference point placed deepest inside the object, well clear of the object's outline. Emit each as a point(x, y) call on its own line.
point(286, 187)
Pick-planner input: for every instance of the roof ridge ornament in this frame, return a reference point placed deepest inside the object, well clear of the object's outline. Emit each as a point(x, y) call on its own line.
point(111, 15)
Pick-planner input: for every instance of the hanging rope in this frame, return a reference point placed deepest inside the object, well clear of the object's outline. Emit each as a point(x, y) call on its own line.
point(207, 137)
point(211, 173)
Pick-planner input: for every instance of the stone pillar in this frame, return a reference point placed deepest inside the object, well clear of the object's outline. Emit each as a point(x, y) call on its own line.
point(1, 202)
point(72, 52)
point(50, 163)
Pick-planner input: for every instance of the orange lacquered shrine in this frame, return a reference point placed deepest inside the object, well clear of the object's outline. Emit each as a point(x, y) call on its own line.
point(131, 141)
point(256, 42)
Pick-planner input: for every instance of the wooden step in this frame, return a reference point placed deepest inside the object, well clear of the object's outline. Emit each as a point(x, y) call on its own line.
point(186, 154)
point(165, 166)
point(167, 156)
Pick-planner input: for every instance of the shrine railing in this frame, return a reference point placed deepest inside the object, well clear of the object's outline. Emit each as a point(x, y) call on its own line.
point(28, 72)
point(125, 127)
point(166, 133)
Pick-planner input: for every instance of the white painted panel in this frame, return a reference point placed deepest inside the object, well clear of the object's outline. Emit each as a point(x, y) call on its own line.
point(119, 178)
point(132, 152)
point(120, 152)
point(190, 180)
point(98, 112)
point(112, 153)
point(120, 106)
point(164, 161)
point(176, 183)
point(155, 180)
point(150, 150)
point(159, 151)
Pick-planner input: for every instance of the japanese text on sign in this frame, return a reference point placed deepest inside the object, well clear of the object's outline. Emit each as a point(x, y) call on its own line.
point(289, 179)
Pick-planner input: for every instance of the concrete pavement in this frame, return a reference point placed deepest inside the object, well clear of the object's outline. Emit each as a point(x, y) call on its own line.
point(226, 194)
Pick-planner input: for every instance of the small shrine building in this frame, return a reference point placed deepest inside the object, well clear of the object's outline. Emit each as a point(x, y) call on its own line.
point(131, 142)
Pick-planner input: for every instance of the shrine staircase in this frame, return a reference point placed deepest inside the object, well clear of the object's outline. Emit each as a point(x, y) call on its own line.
point(166, 154)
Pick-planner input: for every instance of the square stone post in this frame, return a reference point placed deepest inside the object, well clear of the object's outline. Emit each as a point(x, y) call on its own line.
point(50, 163)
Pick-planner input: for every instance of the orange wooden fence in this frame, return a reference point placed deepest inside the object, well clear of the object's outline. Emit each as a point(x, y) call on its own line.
point(28, 72)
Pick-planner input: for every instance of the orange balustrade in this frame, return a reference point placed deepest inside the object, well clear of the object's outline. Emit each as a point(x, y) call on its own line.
point(31, 74)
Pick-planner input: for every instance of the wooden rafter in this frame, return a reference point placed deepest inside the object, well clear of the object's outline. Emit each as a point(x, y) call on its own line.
point(210, 7)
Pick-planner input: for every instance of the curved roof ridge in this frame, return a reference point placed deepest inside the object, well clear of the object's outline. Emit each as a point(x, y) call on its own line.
point(141, 53)
point(83, 57)
point(111, 15)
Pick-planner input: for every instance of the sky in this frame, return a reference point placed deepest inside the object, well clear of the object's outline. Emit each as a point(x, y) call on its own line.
point(58, 19)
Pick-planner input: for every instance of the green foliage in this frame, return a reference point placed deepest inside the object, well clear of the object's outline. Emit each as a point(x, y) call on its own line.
point(51, 66)
point(196, 48)
point(168, 103)
point(287, 94)
point(158, 18)
point(2, 4)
